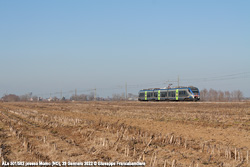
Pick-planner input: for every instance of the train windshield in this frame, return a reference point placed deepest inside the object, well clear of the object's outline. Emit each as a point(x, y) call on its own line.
point(195, 90)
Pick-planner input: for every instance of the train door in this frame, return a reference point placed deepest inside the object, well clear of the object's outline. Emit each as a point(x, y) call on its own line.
point(159, 95)
point(171, 95)
point(155, 95)
point(177, 94)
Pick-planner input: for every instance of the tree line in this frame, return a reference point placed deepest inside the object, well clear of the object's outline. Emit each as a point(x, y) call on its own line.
point(218, 95)
point(80, 97)
point(205, 95)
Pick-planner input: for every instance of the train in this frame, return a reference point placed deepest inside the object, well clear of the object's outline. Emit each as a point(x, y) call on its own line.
point(188, 93)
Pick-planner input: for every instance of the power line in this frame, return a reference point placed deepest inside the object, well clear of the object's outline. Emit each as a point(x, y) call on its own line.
point(223, 77)
point(133, 86)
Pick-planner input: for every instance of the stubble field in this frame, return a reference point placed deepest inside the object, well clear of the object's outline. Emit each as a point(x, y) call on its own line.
point(157, 133)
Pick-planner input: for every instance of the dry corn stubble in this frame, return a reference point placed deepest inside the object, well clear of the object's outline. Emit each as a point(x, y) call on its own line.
point(161, 134)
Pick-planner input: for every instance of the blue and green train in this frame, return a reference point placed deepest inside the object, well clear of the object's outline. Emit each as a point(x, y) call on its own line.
point(170, 94)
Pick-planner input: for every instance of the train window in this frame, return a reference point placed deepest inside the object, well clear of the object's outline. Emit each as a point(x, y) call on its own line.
point(163, 94)
point(142, 95)
point(195, 90)
point(171, 94)
point(148, 94)
point(182, 93)
point(156, 94)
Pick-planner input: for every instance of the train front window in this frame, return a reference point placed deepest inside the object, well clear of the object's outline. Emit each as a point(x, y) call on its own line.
point(142, 95)
point(195, 90)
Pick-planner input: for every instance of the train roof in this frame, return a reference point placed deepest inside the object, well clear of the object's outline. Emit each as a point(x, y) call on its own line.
point(178, 87)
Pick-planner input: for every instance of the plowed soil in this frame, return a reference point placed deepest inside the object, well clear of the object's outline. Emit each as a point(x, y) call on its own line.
point(157, 133)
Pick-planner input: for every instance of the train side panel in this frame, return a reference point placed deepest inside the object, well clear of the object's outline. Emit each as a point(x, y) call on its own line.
point(174, 94)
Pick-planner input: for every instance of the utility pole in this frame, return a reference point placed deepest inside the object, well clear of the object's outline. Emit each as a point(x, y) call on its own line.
point(178, 81)
point(61, 94)
point(167, 82)
point(126, 89)
point(75, 94)
point(95, 94)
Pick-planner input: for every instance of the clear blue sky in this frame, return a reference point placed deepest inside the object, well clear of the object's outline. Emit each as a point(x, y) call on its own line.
point(49, 46)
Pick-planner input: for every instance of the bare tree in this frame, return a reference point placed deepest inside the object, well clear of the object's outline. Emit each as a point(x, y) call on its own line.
point(34, 98)
point(221, 96)
point(91, 96)
point(227, 96)
point(83, 97)
point(11, 98)
point(204, 95)
point(132, 96)
point(238, 95)
point(118, 97)
point(214, 95)
point(26, 97)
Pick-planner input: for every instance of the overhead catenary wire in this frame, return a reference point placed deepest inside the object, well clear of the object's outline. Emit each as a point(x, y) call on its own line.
point(221, 77)
point(241, 75)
